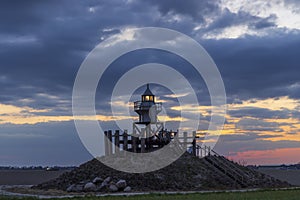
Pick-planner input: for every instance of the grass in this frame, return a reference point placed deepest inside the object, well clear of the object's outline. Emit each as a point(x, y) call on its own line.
point(258, 195)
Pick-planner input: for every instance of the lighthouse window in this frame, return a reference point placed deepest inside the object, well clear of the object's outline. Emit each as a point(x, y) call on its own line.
point(148, 98)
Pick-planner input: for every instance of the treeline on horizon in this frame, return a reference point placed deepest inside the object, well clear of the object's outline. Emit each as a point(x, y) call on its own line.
point(47, 168)
point(283, 166)
point(57, 168)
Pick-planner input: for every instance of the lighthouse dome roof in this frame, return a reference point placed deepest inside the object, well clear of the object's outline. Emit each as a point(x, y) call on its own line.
point(148, 91)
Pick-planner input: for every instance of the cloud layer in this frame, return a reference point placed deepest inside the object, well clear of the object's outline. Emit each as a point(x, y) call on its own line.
point(255, 46)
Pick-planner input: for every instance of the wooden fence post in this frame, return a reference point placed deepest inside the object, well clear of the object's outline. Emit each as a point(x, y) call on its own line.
point(117, 141)
point(143, 135)
point(194, 143)
point(185, 140)
point(148, 134)
point(106, 143)
point(125, 141)
point(134, 144)
point(168, 136)
point(109, 142)
point(143, 150)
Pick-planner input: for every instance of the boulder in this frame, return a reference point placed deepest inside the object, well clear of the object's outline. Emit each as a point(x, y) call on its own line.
point(101, 187)
point(90, 187)
point(104, 184)
point(97, 180)
point(127, 189)
point(70, 188)
point(75, 188)
point(107, 180)
point(121, 184)
point(113, 188)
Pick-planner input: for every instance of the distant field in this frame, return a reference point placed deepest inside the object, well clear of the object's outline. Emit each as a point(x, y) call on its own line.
point(265, 195)
point(291, 176)
point(27, 177)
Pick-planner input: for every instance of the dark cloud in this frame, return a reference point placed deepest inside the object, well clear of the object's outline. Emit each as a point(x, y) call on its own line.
point(249, 124)
point(19, 16)
point(43, 44)
point(198, 10)
point(253, 136)
point(226, 18)
point(63, 35)
point(260, 113)
point(265, 22)
point(296, 113)
point(258, 67)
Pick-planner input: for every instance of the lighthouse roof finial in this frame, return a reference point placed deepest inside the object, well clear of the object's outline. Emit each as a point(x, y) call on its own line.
point(148, 91)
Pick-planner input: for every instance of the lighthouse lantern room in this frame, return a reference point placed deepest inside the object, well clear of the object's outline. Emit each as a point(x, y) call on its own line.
point(147, 108)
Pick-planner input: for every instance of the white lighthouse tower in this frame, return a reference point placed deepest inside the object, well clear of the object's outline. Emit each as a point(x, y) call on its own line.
point(147, 109)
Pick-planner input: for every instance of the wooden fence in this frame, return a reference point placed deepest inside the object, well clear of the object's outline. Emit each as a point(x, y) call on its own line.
point(126, 142)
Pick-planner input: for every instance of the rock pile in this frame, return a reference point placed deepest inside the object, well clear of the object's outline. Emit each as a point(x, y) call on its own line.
point(186, 173)
point(100, 185)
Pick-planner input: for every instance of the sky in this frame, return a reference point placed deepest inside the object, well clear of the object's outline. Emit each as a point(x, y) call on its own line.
point(255, 45)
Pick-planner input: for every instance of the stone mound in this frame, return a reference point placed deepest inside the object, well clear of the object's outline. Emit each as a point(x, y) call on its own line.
point(185, 174)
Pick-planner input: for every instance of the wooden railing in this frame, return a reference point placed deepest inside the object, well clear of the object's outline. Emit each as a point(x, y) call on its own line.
point(126, 142)
point(223, 165)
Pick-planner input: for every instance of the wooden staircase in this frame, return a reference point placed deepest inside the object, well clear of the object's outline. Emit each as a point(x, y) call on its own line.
point(237, 174)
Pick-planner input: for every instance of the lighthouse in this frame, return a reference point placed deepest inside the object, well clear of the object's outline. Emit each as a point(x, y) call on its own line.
point(148, 133)
point(147, 108)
